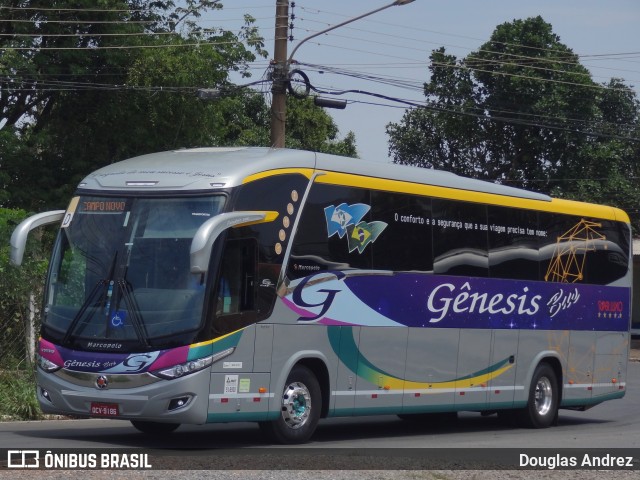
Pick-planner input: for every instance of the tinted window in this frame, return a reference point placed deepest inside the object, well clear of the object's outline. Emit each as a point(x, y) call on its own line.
point(583, 250)
point(279, 193)
point(235, 299)
point(282, 194)
point(513, 243)
point(344, 228)
point(609, 259)
point(406, 242)
point(460, 238)
point(330, 234)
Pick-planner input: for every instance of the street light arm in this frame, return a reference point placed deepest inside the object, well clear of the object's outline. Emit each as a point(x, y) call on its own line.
point(333, 27)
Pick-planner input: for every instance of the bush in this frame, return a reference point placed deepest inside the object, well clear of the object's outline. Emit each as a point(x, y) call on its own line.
point(20, 291)
point(19, 288)
point(18, 395)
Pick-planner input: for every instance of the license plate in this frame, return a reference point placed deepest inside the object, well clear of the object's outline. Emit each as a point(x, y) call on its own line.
point(105, 409)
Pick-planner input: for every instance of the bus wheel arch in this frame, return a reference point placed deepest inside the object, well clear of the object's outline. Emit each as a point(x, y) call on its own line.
point(544, 395)
point(319, 368)
point(301, 405)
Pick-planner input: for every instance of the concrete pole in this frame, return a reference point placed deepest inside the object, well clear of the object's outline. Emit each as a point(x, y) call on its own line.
point(280, 73)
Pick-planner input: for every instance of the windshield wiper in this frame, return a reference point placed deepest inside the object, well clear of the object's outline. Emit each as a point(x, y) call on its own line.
point(89, 302)
point(126, 293)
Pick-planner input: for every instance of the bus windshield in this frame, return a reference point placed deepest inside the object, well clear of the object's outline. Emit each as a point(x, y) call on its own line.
point(120, 272)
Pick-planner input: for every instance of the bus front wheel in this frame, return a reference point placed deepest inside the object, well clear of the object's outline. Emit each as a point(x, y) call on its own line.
point(542, 406)
point(300, 408)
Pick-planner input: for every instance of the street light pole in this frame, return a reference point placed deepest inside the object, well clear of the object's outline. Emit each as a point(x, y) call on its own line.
point(281, 65)
point(333, 27)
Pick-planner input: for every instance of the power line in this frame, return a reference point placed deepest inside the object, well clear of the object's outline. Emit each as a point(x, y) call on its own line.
point(535, 59)
point(496, 61)
point(557, 56)
point(47, 85)
point(407, 85)
point(496, 115)
point(75, 10)
point(202, 43)
point(392, 81)
point(80, 22)
point(395, 56)
point(407, 27)
point(481, 116)
point(82, 35)
point(102, 10)
point(506, 74)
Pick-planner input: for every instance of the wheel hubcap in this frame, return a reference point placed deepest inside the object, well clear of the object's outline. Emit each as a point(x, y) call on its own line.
point(296, 405)
point(543, 396)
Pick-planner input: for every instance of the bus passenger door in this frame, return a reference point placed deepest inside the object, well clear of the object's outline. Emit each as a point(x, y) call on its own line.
point(241, 380)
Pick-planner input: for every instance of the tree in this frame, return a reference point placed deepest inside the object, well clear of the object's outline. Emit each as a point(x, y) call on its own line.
point(522, 111)
point(118, 81)
point(610, 172)
point(311, 128)
point(84, 87)
point(246, 121)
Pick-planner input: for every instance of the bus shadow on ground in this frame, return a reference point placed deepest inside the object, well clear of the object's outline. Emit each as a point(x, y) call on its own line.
point(248, 435)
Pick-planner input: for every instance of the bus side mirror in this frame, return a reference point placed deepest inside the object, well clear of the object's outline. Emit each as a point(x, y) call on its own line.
point(210, 230)
point(21, 232)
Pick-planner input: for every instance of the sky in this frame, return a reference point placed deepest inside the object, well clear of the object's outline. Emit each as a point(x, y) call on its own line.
point(394, 45)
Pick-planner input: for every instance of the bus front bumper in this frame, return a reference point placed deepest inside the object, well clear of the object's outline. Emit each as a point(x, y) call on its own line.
point(127, 397)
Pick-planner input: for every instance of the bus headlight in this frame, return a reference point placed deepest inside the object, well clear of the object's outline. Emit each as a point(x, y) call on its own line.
point(47, 365)
point(192, 366)
point(183, 369)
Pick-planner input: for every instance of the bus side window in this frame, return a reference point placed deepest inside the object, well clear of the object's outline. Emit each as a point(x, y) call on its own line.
point(236, 289)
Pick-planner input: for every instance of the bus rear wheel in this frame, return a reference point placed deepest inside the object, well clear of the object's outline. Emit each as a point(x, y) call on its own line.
point(301, 405)
point(154, 428)
point(542, 406)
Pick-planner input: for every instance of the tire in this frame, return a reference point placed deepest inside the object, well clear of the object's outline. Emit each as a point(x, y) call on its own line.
point(544, 395)
point(301, 404)
point(154, 428)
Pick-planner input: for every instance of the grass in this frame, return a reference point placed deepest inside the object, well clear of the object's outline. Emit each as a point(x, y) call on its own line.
point(18, 395)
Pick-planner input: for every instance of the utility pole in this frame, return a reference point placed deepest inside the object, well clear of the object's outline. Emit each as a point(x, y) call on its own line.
point(280, 73)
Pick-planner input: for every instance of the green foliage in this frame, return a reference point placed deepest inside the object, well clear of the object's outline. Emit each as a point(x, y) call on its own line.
point(311, 128)
point(18, 395)
point(523, 111)
point(246, 121)
point(114, 108)
point(18, 287)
